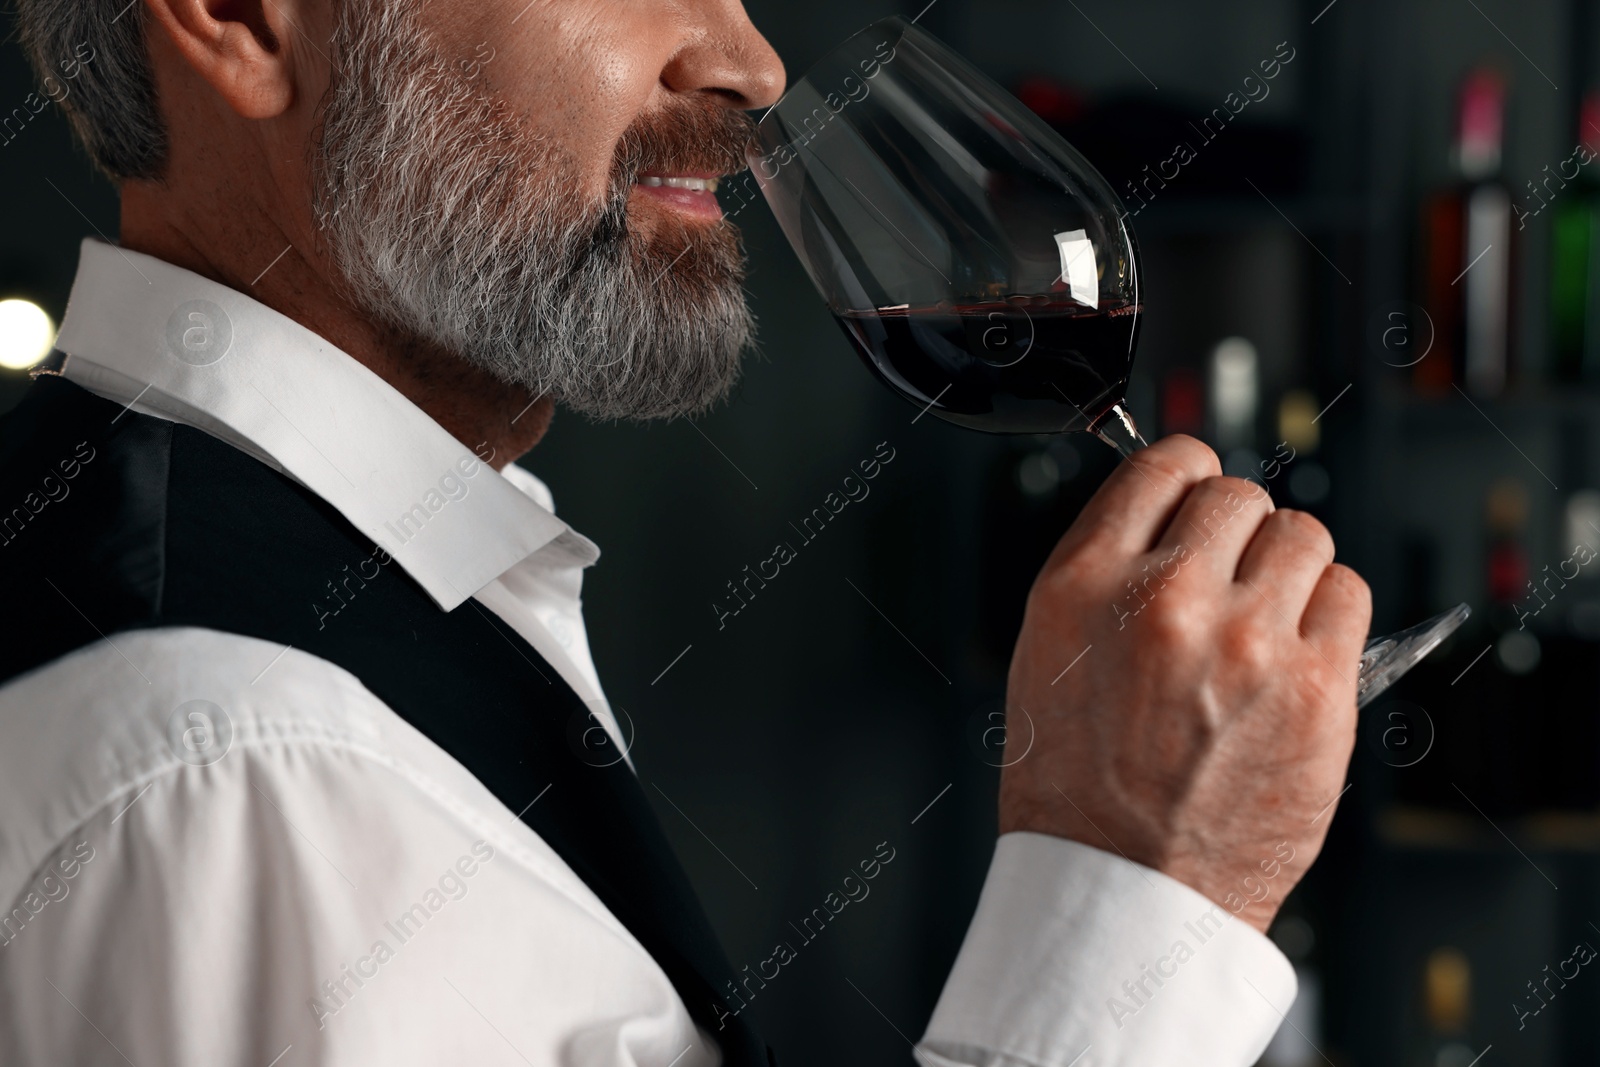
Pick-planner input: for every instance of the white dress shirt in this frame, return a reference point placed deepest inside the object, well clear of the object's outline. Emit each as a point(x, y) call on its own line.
point(334, 889)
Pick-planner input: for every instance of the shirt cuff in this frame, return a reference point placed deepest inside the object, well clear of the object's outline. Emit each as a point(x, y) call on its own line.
point(1079, 957)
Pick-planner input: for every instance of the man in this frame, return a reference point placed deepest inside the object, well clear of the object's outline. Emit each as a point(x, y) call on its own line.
point(295, 758)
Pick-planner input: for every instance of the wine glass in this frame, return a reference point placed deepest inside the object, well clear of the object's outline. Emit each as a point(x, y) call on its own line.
point(981, 267)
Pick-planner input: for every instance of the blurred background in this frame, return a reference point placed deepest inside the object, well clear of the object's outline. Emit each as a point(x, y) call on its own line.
point(1376, 287)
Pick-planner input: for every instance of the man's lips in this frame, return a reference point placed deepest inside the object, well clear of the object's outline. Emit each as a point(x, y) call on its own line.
point(692, 194)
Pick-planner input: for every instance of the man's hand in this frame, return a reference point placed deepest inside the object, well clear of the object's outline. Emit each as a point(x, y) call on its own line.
point(1207, 718)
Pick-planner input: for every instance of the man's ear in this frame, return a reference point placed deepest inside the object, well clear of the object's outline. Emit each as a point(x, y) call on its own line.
point(237, 46)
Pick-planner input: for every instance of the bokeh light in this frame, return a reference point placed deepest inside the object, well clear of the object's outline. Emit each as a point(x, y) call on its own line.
point(26, 334)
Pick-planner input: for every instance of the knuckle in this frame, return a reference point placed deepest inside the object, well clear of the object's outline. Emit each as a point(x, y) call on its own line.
point(1250, 643)
point(1172, 619)
point(1218, 499)
point(1181, 458)
point(1195, 455)
point(1243, 487)
point(1220, 486)
point(1349, 585)
point(1164, 470)
point(1305, 528)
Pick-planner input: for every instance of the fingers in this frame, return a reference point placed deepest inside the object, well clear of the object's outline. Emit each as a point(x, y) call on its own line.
point(1130, 510)
point(1286, 559)
point(1216, 521)
point(1338, 614)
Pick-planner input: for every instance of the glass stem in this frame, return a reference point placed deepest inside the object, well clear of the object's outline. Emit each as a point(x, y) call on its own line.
point(1116, 429)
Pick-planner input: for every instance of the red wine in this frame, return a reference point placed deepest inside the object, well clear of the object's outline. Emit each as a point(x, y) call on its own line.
point(1027, 365)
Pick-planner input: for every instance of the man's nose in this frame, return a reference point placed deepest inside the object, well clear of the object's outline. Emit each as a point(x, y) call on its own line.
point(726, 56)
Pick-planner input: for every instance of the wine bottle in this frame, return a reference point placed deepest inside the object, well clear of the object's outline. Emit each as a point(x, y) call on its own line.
point(1233, 396)
point(1575, 246)
point(1183, 403)
point(1581, 526)
point(1506, 515)
point(1447, 1002)
point(1467, 251)
point(1518, 598)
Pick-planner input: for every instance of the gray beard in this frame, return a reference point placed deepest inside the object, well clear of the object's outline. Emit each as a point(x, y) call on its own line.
point(453, 225)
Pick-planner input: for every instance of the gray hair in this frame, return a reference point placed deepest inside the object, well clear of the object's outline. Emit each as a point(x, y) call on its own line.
point(112, 104)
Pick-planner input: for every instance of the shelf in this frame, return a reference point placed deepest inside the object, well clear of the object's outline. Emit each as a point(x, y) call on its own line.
point(1430, 830)
point(1448, 408)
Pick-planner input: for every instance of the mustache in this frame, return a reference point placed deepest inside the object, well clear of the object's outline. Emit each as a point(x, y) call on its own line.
point(684, 138)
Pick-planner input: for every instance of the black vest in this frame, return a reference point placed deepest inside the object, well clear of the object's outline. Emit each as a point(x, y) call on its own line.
point(166, 526)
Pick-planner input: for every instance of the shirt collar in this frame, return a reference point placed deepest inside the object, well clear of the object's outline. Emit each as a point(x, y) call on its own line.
point(171, 343)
